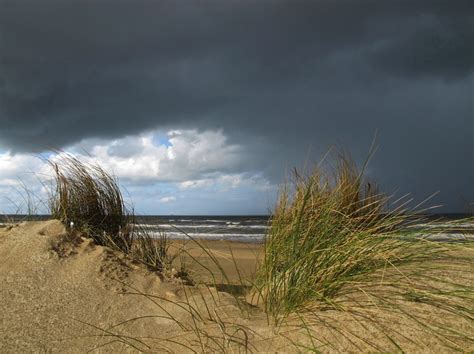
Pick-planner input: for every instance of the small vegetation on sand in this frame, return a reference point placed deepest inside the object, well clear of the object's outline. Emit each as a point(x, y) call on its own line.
point(333, 228)
point(335, 242)
point(340, 265)
point(88, 199)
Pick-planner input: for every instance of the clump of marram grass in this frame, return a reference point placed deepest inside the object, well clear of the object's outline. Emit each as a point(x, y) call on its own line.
point(334, 243)
point(334, 230)
point(88, 199)
point(149, 250)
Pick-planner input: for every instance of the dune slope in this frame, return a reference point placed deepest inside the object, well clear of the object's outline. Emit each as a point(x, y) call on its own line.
point(55, 302)
point(59, 296)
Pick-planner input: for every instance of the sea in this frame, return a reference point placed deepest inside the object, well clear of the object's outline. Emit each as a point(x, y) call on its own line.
point(233, 228)
point(252, 228)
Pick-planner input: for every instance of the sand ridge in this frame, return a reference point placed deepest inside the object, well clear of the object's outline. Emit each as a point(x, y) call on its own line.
point(58, 296)
point(47, 299)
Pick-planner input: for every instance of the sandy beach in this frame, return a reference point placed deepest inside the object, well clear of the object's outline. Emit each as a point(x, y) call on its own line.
point(81, 296)
point(236, 176)
point(239, 260)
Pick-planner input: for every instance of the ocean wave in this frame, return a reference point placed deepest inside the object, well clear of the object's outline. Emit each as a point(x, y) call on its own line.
point(445, 237)
point(448, 226)
point(210, 236)
point(205, 226)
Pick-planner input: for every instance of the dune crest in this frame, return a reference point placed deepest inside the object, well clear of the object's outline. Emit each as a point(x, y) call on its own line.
point(48, 298)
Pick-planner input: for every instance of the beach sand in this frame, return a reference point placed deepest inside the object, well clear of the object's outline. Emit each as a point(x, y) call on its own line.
point(238, 260)
point(58, 297)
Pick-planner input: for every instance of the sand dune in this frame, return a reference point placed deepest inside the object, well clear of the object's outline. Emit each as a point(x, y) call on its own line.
point(47, 299)
point(74, 296)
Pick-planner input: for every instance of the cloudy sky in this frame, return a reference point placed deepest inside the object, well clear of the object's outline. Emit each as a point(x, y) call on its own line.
point(200, 107)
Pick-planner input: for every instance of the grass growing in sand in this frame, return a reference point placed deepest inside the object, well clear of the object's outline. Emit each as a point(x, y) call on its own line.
point(88, 199)
point(333, 229)
point(337, 251)
point(336, 243)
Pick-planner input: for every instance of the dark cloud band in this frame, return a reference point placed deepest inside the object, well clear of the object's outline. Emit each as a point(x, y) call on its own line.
point(277, 76)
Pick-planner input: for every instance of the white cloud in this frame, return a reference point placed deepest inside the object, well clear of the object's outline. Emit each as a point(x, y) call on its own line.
point(167, 199)
point(200, 183)
point(225, 182)
point(186, 160)
point(189, 155)
point(12, 166)
point(23, 183)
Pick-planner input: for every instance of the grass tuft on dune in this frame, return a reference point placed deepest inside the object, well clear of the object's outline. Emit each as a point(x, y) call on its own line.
point(341, 270)
point(88, 199)
point(334, 237)
point(332, 229)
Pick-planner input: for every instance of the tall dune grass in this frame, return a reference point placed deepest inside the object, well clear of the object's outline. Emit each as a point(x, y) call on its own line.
point(88, 199)
point(335, 243)
point(332, 229)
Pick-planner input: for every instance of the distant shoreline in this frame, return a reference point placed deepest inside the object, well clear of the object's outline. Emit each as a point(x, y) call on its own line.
point(252, 229)
point(42, 216)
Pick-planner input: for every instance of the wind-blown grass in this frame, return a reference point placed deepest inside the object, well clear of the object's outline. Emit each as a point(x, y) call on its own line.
point(336, 249)
point(332, 229)
point(88, 199)
point(333, 234)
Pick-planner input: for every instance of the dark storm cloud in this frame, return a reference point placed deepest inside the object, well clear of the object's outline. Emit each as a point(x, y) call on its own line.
point(279, 76)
